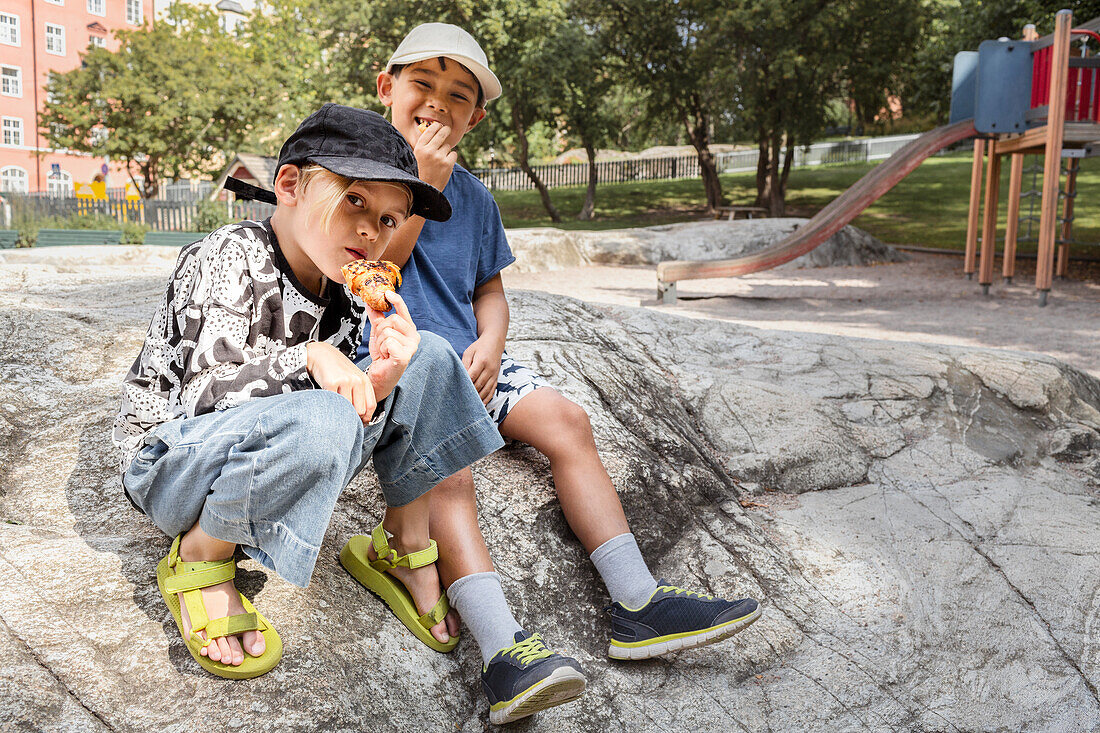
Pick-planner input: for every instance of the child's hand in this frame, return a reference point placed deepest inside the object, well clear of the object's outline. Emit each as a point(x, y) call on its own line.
point(482, 362)
point(434, 157)
point(336, 373)
point(393, 341)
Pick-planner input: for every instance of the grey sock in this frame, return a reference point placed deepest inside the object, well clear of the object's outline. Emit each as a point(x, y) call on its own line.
point(624, 572)
point(479, 598)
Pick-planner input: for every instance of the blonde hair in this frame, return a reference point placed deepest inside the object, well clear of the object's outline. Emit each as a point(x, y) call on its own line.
point(329, 190)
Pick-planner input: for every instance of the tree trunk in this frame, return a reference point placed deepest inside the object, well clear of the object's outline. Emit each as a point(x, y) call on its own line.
point(544, 193)
point(589, 207)
point(775, 191)
point(151, 185)
point(762, 169)
point(788, 159)
point(697, 124)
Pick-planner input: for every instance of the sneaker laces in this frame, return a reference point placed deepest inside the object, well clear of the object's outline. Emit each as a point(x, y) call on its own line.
point(529, 650)
point(676, 590)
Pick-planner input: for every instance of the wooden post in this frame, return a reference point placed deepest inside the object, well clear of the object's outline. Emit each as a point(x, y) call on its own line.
point(1067, 220)
point(1015, 181)
point(975, 208)
point(1052, 153)
point(1012, 226)
point(989, 217)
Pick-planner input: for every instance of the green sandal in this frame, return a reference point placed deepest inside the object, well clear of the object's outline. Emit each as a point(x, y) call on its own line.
point(176, 576)
point(372, 574)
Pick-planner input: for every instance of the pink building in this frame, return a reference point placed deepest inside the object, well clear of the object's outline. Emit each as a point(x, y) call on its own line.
point(36, 37)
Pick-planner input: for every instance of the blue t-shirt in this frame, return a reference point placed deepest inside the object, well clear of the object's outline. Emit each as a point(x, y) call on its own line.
point(451, 259)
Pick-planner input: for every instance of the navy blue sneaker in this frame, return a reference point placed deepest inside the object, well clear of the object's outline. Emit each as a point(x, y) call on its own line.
point(673, 619)
point(527, 677)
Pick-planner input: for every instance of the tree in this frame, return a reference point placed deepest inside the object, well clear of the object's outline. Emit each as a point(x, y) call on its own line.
point(678, 54)
point(794, 57)
point(173, 99)
point(585, 75)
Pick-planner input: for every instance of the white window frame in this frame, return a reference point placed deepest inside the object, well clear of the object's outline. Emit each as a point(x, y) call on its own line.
point(18, 81)
point(58, 35)
point(10, 21)
point(138, 16)
point(5, 126)
point(61, 185)
point(101, 4)
point(6, 171)
point(97, 41)
point(56, 2)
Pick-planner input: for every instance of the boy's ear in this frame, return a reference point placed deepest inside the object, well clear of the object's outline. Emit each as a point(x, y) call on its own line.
point(385, 88)
point(478, 116)
point(286, 185)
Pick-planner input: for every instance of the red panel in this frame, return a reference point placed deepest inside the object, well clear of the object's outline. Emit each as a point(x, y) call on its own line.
point(1084, 105)
point(1071, 94)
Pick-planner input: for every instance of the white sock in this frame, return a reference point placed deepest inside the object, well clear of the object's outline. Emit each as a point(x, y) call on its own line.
point(479, 598)
point(624, 572)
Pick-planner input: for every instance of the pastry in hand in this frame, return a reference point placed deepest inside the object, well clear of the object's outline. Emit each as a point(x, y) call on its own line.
point(371, 279)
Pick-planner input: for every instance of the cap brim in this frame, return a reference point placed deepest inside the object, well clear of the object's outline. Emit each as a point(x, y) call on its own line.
point(427, 201)
point(490, 85)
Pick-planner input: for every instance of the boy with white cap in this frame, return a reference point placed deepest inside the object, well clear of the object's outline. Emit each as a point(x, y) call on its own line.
point(436, 85)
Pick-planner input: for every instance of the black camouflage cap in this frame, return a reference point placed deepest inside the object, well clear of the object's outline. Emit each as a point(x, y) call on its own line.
point(355, 143)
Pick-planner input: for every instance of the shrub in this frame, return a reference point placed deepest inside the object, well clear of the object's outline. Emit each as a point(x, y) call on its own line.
point(210, 215)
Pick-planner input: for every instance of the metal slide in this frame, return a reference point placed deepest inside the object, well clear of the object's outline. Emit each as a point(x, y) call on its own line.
point(826, 223)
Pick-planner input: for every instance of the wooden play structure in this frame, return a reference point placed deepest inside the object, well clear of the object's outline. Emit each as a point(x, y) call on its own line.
point(1059, 121)
point(1029, 96)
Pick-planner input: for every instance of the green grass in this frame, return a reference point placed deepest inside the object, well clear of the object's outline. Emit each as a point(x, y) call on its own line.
point(928, 208)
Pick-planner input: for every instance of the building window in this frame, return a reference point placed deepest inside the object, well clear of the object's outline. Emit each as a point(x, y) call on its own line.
point(13, 179)
point(97, 41)
point(13, 131)
point(59, 184)
point(134, 13)
point(56, 2)
point(55, 39)
point(11, 81)
point(97, 7)
point(9, 29)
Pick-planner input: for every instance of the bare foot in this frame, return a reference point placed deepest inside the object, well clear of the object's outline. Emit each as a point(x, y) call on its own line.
point(223, 600)
point(424, 587)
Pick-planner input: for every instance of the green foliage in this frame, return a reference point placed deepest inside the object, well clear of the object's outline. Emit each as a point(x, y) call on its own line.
point(174, 99)
point(210, 215)
point(133, 232)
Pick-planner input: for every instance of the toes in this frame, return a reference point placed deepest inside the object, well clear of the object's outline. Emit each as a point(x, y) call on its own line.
point(453, 622)
point(254, 643)
point(236, 654)
point(224, 652)
point(439, 631)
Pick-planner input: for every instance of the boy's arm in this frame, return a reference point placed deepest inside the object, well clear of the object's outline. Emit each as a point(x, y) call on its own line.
point(436, 161)
point(400, 248)
point(482, 358)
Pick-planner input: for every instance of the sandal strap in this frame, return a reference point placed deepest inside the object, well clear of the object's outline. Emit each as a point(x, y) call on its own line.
point(196, 575)
point(233, 625)
point(437, 614)
point(388, 557)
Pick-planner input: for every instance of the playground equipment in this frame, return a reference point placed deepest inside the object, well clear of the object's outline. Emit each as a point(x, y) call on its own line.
point(1028, 97)
point(1022, 97)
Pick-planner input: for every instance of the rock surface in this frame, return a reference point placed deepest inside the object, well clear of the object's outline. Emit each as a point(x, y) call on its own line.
point(543, 249)
point(922, 523)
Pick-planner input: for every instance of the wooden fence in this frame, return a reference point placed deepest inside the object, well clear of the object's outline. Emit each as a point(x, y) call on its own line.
point(157, 215)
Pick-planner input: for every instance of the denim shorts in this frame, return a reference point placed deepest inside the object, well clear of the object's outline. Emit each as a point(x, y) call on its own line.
point(266, 474)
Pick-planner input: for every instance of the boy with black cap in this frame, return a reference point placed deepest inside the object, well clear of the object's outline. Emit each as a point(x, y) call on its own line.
point(436, 85)
point(245, 416)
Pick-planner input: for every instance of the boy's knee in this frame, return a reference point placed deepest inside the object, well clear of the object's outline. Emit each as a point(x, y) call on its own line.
point(573, 418)
point(458, 487)
point(434, 350)
point(324, 423)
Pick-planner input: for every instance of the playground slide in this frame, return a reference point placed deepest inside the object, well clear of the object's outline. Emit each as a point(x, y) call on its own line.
point(828, 221)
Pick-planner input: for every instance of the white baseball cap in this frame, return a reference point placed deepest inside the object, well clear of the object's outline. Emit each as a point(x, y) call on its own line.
point(432, 40)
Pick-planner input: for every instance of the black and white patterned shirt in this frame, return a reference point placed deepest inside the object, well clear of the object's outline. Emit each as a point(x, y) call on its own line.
point(233, 326)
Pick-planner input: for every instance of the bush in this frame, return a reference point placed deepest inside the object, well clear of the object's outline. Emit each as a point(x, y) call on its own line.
point(210, 215)
point(133, 233)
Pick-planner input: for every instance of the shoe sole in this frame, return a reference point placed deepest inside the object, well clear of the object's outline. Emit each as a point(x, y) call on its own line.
point(563, 685)
point(664, 645)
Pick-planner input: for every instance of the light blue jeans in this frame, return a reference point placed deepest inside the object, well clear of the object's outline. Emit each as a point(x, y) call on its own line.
point(266, 475)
